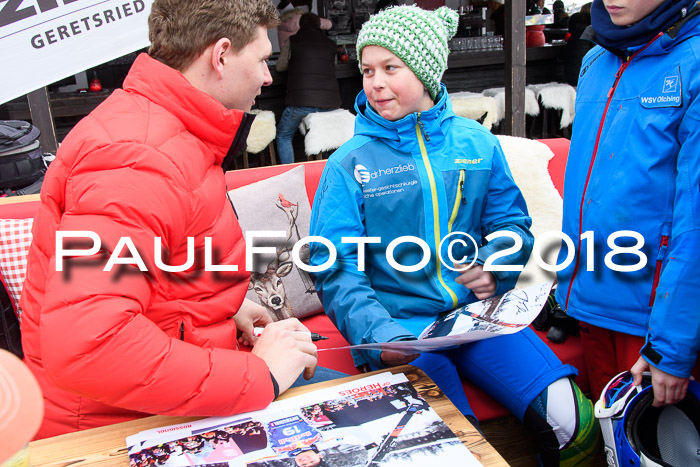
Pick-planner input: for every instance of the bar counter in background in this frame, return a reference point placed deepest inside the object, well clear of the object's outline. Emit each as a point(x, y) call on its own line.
point(472, 70)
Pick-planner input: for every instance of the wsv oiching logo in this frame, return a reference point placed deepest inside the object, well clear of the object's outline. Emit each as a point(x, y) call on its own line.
point(363, 175)
point(670, 95)
point(670, 84)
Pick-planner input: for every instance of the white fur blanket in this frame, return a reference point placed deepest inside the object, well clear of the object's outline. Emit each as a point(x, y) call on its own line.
point(528, 160)
point(532, 108)
point(473, 105)
point(560, 96)
point(262, 131)
point(326, 130)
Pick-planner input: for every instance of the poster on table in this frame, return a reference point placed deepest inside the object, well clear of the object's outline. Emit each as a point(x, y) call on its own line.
point(496, 316)
point(379, 420)
point(44, 41)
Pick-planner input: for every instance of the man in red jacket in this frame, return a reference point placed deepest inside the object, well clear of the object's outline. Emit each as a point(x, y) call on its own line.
point(153, 330)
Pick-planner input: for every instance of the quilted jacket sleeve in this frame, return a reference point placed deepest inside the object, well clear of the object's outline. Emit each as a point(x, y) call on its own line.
point(96, 335)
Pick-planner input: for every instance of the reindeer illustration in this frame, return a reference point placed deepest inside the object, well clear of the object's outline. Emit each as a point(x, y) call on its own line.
point(268, 285)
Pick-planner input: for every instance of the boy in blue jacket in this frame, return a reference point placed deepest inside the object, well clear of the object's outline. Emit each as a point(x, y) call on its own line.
point(631, 196)
point(415, 169)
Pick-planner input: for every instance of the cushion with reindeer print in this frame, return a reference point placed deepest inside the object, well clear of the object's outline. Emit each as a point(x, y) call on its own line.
point(280, 204)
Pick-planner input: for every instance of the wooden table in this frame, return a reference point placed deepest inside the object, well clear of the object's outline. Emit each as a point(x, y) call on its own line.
point(105, 446)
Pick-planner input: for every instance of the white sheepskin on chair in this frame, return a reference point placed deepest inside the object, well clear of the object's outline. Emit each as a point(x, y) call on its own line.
point(326, 130)
point(528, 160)
point(473, 105)
point(532, 108)
point(262, 131)
point(560, 96)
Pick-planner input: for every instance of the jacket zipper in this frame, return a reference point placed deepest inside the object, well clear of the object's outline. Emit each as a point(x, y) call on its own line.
point(611, 93)
point(239, 140)
point(182, 330)
point(436, 217)
point(459, 199)
point(657, 270)
point(422, 128)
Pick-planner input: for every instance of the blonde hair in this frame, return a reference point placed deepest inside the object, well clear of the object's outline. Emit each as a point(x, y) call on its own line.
point(180, 30)
point(290, 13)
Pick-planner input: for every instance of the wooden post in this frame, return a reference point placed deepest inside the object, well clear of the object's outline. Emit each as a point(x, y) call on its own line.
point(40, 110)
point(515, 62)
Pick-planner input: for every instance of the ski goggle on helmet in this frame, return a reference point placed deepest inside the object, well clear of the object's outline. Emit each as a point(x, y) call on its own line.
point(637, 434)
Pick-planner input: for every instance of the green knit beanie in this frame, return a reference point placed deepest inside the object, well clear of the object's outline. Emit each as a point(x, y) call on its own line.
point(418, 37)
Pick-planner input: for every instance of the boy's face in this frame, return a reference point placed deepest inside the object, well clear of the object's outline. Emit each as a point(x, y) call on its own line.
point(627, 12)
point(247, 72)
point(392, 89)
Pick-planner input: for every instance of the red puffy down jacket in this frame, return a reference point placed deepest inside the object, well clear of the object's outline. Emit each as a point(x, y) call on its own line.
point(112, 346)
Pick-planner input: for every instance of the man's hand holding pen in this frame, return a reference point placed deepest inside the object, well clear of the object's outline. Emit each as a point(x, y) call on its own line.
point(257, 332)
point(287, 349)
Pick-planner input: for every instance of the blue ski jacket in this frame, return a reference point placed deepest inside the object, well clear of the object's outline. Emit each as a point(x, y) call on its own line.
point(426, 175)
point(633, 171)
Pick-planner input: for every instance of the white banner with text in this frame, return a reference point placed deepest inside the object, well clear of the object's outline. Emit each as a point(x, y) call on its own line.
point(43, 41)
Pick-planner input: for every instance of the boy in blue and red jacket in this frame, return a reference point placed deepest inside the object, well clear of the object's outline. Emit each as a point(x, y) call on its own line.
point(632, 184)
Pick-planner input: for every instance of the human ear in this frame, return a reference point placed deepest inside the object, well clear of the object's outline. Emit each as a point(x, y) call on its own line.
point(219, 55)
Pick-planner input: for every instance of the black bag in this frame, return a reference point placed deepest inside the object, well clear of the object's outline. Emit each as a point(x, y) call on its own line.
point(33, 189)
point(10, 337)
point(21, 157)
point(554, 319)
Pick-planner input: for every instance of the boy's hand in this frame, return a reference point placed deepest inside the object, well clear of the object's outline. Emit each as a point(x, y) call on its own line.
point(668, 389)
point(481, 282)
point(391, 358)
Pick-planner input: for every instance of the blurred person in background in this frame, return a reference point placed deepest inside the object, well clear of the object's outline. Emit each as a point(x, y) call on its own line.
point(309, 59)
point(561, 17)
point(577, 45)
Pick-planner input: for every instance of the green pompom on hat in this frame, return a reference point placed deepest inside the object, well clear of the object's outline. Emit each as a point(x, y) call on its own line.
point(418, 37)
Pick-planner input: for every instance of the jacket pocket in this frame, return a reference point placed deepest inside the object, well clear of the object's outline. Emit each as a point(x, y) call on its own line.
point(458, 201)
point(663, 247)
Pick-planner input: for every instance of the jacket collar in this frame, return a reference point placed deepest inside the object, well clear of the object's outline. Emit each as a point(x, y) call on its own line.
point(202, 115)
point(661, 19)
point(401, 134)
point(686, 27)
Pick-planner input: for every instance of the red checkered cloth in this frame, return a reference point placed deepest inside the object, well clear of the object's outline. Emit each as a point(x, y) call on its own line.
point(15, 238)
